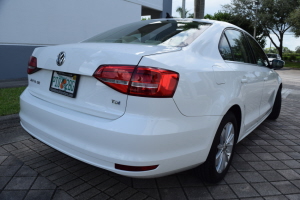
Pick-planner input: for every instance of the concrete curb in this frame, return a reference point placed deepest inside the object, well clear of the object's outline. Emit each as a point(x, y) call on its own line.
point(9, 117)
point(11, 83)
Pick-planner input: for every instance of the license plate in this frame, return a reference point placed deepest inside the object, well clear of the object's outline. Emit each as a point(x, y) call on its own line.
point(64, 83)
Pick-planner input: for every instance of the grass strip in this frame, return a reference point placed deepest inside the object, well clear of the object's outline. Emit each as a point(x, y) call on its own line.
point(10, 100)
point(292, 64)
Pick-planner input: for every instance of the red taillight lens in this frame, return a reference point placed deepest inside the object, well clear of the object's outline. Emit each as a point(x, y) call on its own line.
point(32, 65)
point(153, 82)
point(135, 168)
point(116, 76)
point(138, 81)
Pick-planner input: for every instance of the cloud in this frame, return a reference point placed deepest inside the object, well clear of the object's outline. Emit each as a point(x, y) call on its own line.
point(289, 41)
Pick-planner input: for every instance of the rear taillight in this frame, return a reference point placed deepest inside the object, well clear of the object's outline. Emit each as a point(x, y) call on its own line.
point(116, 76)
point(138, 81)
point(153, 82)
point(32, 65)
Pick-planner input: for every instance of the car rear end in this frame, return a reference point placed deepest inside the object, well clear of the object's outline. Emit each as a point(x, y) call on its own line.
point(95, 103)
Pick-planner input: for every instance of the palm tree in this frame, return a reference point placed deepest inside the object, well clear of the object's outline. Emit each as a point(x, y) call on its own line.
point(199, 9)
point(180, 11)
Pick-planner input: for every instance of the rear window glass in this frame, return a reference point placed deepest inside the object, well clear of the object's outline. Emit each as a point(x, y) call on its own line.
point(260, 56)
point(225, 49)
point(238, 45)
point(154, 32)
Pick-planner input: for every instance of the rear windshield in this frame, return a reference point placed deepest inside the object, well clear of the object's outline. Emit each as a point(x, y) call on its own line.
point(154, 32)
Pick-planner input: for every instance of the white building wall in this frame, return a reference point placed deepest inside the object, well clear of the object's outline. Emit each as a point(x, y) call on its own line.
point(44, 22)
point(155, 4)
point(26, 24)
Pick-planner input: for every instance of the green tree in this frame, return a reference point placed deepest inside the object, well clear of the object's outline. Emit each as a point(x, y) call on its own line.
point(294, 20)
point(145, 18)
point(244, 23)
point(180, 12)
point(272, 15)
point(297, 49)
point(286, 50)
point(271, 50)
point(189, 15)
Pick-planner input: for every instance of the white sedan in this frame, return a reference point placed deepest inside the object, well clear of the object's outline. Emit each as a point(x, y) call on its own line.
point(152, 98)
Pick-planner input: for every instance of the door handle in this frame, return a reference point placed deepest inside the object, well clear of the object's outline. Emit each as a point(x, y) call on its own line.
point(244, 80)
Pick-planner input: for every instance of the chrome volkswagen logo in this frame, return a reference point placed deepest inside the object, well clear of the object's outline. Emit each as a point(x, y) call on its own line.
point(61, 58)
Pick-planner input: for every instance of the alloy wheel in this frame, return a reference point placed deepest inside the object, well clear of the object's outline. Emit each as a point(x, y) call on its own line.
point(225, 147)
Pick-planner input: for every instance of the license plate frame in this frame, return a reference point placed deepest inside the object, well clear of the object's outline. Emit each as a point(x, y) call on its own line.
point(64, 83)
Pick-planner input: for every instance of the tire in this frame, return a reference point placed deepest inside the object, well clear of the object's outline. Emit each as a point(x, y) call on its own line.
point(220, 156)
point(276, 107)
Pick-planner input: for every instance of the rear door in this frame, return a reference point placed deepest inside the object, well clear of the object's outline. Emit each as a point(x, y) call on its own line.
point(269, 77)
point(248, 73)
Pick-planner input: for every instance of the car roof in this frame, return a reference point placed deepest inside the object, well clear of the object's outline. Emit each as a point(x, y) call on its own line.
point(213, 22)
point(193, 19)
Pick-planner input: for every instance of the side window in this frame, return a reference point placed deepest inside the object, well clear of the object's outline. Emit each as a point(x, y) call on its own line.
point(260, 56)
point(239, 46)
point(224, 49)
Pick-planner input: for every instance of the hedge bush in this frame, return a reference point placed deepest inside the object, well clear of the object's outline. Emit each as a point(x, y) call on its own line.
point(286, 58)
point(291, 56)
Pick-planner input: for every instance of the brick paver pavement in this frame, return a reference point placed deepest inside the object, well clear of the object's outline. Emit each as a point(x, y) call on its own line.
point(266, 166)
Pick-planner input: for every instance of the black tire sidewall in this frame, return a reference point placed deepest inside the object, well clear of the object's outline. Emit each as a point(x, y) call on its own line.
point(277, 106)
point(212, 175)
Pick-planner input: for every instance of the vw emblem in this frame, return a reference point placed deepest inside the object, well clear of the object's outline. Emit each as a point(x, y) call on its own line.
point(61, 58)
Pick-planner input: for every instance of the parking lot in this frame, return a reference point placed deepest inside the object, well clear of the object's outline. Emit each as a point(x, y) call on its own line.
point(265, 166)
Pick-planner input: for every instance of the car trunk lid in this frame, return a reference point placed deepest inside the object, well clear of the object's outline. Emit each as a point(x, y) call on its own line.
point(81, 61)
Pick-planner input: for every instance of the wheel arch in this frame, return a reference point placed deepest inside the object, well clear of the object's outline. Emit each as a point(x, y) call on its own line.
point(236, 110)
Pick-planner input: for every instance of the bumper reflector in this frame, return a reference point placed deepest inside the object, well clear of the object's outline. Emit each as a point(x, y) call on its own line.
point(135, 168)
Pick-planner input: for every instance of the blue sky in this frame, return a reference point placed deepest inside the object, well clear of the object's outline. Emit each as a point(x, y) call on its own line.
point(213, 6)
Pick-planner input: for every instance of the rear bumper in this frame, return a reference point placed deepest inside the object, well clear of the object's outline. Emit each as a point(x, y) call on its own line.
point(174, 142)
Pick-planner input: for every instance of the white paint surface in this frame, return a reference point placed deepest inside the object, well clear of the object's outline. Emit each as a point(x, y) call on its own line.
point(174, 133)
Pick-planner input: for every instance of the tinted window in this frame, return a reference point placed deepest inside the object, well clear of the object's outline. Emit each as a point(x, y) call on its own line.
point(239, 46)
point(154, 32)
point(260, 56)
point(225, 49)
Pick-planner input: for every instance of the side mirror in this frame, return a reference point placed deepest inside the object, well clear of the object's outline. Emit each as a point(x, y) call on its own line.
point(277, 64)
